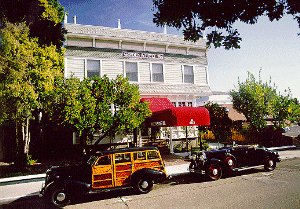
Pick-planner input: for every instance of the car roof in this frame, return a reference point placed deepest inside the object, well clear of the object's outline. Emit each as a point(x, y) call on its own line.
point(122, 150)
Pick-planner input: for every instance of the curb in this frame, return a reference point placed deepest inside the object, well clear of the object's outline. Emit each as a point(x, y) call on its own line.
point(22, 179)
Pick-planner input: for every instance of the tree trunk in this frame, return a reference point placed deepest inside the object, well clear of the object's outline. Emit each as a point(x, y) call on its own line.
point(21, 158)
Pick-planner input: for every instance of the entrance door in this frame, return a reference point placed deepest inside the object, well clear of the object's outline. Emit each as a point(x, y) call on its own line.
point(102, 173)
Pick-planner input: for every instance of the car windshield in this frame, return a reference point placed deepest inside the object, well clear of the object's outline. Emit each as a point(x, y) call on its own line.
point(92, 160)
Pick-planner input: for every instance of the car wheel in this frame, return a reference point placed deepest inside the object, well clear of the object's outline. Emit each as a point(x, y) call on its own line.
point(143, 185)
point(270, 164)
point(214, 172)
point(59, 197)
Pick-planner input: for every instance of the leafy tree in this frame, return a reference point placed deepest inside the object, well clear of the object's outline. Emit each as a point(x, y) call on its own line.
point(99, 105)
point(220, 124)
point(219, 16)
point(27, 73)
point(255, 100)
point(44, 18)
point(285, 110)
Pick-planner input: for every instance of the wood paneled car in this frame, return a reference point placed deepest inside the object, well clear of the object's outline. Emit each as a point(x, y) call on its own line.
point(228, 160)
point(129, 167)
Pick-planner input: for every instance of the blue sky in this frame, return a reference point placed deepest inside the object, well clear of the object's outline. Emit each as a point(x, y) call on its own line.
point(273, 47)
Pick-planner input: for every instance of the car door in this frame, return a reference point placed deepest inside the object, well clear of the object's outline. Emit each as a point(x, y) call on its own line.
point(241, 156)
point(123, 169)
point(102, 173)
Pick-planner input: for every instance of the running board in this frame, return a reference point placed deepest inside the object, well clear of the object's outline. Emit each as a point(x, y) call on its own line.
point(97, 191)
point(247, 168)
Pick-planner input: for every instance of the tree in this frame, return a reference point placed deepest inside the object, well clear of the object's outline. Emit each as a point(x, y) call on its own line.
point(217, 17)
point(285, 110)
point(27, 74)
point(99, 105)
point(44, 18)
point(259, 101)
point(220, 124)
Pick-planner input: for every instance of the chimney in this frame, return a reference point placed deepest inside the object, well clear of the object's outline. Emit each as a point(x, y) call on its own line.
point(165, 29)
point(66, 19)
point(75, 19)
point(119, 24)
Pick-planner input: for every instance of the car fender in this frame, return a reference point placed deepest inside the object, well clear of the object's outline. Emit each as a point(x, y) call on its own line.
point(74, 187)
point(214, 161)
point(155, 175)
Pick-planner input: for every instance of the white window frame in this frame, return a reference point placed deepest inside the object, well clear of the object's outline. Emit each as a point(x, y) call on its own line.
point(124, 70)
point(85, 66)
point(183, 73)
point(163, 72)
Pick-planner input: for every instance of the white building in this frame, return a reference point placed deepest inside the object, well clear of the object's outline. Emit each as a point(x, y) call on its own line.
point(163, 65)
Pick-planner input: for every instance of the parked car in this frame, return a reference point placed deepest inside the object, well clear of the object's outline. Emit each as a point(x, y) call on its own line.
point(128, 167)
point(228, 160)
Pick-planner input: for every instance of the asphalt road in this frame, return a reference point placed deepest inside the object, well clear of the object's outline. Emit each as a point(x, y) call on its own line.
point(251, 189)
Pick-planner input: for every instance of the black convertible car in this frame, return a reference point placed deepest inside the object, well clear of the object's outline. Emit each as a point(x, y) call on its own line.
point(228, 160)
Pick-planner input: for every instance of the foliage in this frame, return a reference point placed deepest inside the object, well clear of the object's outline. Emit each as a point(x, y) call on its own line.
point(98, 105)
point(27, 73)
point(259, 101)
point(44, 18)
point(255, 100)
point(220, 124)
point(285, 109)
point(218, 17)
point(30, 160)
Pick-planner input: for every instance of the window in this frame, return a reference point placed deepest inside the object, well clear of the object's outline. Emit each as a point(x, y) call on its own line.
point(122, 158)
point(131, 70)
point(140, 156)
point(174, 103)
point(157, 72)
point(188, 74)
point(104, 160)
point(152, 155)
point(92, 68)
point(190, 104)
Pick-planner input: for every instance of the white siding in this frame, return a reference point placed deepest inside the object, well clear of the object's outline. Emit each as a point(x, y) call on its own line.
point(196, 52)
point(80, 42)
point(144, 72)
point(112, 68)
point(107, 44)
point(200, 75)
point(176, 50)
point(133, 46)
point(173, 73)
point(155, 48)
point(74, 67)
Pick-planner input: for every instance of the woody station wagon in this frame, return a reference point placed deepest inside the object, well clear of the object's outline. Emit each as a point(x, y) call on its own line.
point(128, 167)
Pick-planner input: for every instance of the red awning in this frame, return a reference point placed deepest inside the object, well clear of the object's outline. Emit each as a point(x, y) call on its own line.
point(158, 104)
point(180, 116)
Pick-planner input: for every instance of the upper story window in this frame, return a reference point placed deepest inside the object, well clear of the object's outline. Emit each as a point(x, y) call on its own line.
point(131, 70)
point(181, 104)
point(92, 68)
point(157, 72)
point(188, 74)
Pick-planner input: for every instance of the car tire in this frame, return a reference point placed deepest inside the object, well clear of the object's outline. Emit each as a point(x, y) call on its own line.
point(59, 197)
point(214, 172)
point(270, 164)
point(143, 185)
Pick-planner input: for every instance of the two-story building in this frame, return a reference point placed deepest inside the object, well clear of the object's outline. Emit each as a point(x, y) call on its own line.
point(161, 64)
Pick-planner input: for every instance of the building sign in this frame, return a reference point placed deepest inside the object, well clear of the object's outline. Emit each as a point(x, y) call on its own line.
point(142, 55)
point(159, 123)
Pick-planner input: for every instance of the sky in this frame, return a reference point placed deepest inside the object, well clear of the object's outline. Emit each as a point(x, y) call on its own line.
point(270, 47)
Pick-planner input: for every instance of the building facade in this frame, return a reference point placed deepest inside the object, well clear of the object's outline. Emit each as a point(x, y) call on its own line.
point(162, 65)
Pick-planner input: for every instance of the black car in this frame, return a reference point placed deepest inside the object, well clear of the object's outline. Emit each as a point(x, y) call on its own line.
point(228, 160)
point(104, 171)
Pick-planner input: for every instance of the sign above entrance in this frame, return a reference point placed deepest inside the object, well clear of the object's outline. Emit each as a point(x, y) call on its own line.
point(142, 55)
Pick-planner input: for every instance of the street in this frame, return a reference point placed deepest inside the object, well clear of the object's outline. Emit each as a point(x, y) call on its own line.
point(250, 189)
